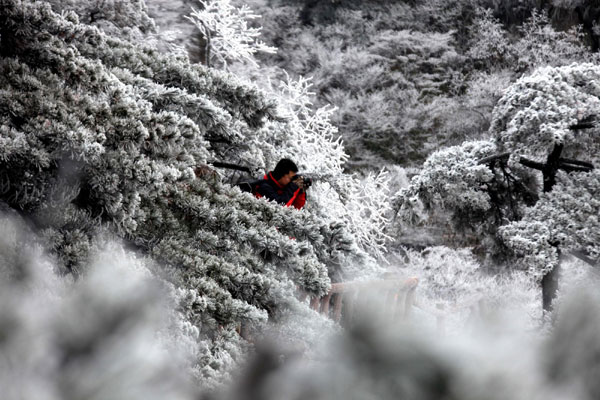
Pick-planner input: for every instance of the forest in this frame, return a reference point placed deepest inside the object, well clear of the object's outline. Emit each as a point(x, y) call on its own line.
point(449, 247)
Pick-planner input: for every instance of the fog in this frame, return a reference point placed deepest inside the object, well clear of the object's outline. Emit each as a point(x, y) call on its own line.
point(115, 334)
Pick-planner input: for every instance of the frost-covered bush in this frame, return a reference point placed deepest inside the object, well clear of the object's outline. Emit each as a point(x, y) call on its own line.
point(538, 43)
point(489, 42)
point(456, 117)
point(310, 137)
point(532, 241)
point(453, 284)
point(377, 85)
point(113, 333)
point(452, 276)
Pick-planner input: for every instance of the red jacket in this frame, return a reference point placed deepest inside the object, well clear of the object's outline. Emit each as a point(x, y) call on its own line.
point(290, 195)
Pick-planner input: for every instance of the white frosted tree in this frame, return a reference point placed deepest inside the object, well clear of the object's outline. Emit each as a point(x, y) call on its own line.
point(550, 118)
point(311, 138)
point(101, 134)
point(537, 43)
point(307, 135)
point(227, 33)
point(544, 122)
point(123, 18)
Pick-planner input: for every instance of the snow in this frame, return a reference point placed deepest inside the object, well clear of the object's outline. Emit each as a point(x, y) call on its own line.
point(130, 269)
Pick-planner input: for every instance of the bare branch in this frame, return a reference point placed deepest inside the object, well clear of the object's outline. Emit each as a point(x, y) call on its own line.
point(490, 159)
point(576, 162)
point(586, 123)
point(532, 164)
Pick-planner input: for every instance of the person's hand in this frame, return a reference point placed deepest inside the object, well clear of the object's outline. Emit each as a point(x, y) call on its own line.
point(299, 181)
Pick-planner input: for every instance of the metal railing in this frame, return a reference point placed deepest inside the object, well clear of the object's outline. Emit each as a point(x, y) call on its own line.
point(398, 298)
point(395, 300)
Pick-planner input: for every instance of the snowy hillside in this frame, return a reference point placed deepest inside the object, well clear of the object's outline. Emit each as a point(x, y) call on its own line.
point(448, 154)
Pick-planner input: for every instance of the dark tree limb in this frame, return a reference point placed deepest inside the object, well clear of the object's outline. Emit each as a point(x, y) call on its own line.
point(586, 123)
point(551, 168)
point(550, 287)
point(565, 164)
point(583, 256)
point(570, 161)
point(573, 168)
point(582, 125)
point(495, 157)
point(531, 164)
point(504, 157)
point(236, 167)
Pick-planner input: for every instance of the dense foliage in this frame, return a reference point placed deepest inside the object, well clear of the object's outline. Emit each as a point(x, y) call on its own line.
point(102, 134)
point(130, 267)
point(409, 77)
point(539, 117)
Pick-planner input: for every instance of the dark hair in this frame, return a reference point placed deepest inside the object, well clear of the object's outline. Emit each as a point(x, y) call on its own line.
point(284, 166)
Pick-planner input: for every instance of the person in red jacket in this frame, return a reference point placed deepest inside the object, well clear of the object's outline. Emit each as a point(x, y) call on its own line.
point(283, 185)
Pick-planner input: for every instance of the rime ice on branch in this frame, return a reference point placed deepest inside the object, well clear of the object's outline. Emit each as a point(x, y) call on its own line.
point(546, 121)
point(99, 134)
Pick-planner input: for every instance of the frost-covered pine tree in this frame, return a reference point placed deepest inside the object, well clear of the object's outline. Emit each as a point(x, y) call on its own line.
point(544, 122)
point(550, 119)
point(455, 189)
point(98, 133)
point(125, 18)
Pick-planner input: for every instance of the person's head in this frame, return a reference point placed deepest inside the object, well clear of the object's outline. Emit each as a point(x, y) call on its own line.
point(284, 171)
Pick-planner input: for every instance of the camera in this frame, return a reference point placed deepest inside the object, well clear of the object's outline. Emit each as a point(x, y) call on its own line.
point(307, 180)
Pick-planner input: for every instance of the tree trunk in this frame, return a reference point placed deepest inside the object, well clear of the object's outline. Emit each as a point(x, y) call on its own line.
point(551, 167)
point(307, 10)
point(550, 287)
point(550, 280)
point(587, 17)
